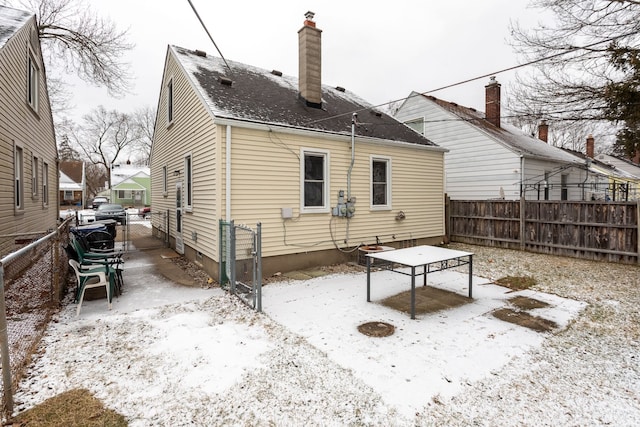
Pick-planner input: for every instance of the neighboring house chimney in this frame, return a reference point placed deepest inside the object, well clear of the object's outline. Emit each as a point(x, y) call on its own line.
point(309, 62)
point(492, 102)
point(543, 131)
point(590, 146)
point(636, 158)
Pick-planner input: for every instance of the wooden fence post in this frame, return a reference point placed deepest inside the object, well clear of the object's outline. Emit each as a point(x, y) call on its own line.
point(447, 218)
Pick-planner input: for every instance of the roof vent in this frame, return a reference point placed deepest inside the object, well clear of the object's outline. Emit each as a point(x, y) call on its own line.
point(340, 89)
point(376, 113)
point(226, 81)
point(201, 53)
point(276, 73)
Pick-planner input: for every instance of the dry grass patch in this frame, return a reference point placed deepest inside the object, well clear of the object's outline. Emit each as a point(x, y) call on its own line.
point(73, 408)
point(377, 329)
point(516, 283)
point(526, 303)
point(428, 300)
point(525, 319)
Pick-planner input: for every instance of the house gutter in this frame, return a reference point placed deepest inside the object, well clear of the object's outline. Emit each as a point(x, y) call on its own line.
point(228, 175)
point(336, 136)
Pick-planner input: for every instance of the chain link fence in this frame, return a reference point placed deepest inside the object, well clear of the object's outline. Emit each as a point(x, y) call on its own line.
point(33, 283)
point(241, 262)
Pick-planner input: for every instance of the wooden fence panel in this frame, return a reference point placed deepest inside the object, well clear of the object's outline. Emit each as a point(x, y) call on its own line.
point(598, 230)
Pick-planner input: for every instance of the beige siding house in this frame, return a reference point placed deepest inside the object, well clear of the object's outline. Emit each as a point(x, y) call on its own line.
point(28, 154)
point(236, 142)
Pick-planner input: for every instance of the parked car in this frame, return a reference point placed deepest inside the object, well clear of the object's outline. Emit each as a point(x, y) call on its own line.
point(97, 201)
point(111, 211)
point(145, 212)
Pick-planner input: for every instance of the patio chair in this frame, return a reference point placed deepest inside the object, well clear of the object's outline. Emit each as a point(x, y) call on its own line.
point(112, 260)
point(86, 280)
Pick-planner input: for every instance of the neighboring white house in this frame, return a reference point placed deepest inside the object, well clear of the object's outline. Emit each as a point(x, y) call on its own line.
point(488, 159)
point(237, 142)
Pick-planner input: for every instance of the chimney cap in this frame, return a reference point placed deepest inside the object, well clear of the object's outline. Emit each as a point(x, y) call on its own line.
point(309, 15)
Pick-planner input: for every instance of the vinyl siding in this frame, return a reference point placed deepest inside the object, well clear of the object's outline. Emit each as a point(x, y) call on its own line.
point(477, 166)
point(192, 131)
point(20, 125)
point(266, 178)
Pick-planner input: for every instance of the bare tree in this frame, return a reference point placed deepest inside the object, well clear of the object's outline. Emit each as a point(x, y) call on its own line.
point(96, 178)
point(572, 51)
point(104, 136)
point(65, 150)
point(144, 120)
point(77, 40)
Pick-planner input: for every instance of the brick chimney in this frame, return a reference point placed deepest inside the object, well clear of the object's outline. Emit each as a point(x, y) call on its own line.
point(310, 62)
point(636, 158)
point(590, 146)
point(543, 131)
point(492, 102)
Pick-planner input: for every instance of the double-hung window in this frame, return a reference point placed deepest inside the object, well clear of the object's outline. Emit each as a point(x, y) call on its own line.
point(170, 102)
point(164, 180)
point(380, 183)
point(18, 166)
point(45, 184)
point(314, 166)
point(33, 73)
point(188, 178)
point(34, 177)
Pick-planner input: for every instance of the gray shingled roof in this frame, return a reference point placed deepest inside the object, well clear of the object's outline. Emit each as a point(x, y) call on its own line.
point(260, 96)
point(11, 20)
point(510, 136)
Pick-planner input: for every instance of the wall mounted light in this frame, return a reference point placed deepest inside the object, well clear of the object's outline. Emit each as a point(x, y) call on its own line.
point(176, 173)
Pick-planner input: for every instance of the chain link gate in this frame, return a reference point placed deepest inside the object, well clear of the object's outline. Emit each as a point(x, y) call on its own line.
point(241, 262)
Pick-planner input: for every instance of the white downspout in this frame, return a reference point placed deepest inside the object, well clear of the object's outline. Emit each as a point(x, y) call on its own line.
point(354, 118)
point(228, 176)
point(522, 192)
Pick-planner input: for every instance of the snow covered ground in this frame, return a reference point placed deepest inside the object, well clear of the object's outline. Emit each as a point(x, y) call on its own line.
point(170, 355)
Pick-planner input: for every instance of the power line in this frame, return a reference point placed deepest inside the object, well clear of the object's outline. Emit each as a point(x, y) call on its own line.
point(207, 31)
point(526, 64)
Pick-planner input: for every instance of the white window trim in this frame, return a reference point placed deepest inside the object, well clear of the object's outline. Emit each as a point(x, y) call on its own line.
point(170, 101)
point(386, 159)
point(33, 81)
point(165, 183)
point(188, 183)
point(18, 178)
point(35, 165)
point(326, 187)
point(45, 184)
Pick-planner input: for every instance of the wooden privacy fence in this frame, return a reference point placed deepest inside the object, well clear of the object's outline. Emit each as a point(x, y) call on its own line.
point(597, 230)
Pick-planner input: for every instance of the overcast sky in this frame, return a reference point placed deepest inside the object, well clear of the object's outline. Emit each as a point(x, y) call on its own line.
point(379, 50)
